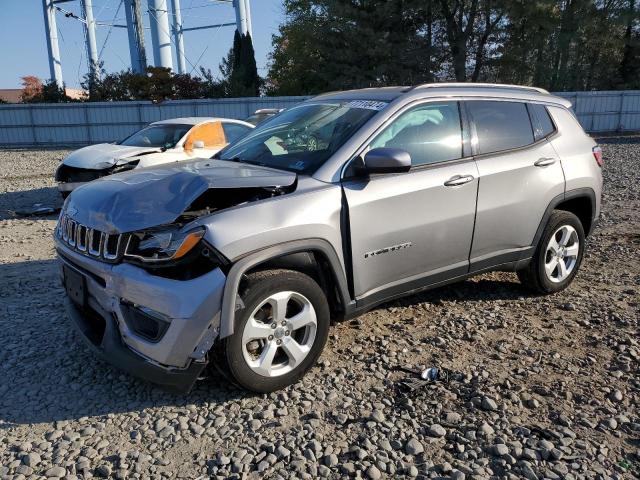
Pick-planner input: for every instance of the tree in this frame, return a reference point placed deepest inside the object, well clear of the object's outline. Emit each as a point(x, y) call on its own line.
point(629, 70)
point(52, 93)
point(332, 44)
point(239, 71)
point(557, 44)
point(31, 89)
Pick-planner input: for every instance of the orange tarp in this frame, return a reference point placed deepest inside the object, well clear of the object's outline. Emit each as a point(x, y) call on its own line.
point(210, 133)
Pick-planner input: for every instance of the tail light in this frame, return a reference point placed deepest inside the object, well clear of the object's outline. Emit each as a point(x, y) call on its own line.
point(597, 154)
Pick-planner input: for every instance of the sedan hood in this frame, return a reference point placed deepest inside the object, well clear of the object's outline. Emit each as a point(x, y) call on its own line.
point(104, 155)
point(149, 197)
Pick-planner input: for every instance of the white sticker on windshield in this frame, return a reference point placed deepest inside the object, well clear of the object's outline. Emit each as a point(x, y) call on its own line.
point(368, 104)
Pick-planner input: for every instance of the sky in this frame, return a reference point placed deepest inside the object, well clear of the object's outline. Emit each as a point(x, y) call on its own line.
point(24, 50)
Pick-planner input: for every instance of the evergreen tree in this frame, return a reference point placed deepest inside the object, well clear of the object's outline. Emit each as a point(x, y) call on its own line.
point(239, 70)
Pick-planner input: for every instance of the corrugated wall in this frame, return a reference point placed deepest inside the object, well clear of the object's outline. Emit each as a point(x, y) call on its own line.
point(75, 124)
point(614, 111)
point(78, 124)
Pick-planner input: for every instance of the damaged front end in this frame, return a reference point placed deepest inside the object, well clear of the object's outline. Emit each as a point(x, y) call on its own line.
point(69, 178)
point(144, 284)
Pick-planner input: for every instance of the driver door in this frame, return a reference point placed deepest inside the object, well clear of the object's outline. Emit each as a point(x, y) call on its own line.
point(415, 228)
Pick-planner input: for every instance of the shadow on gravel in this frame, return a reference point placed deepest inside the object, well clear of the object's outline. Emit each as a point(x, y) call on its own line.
point(473, 290)
point(26, 199)
point(47, 374)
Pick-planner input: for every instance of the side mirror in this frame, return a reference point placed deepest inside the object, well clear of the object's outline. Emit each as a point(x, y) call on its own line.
point(198, 144)
point(387, 160)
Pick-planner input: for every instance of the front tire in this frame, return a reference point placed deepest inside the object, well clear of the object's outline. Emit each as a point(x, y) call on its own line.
point(558, 255)
point(279, 333)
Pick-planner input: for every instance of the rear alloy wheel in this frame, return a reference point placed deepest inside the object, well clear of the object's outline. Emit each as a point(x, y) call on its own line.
point(558, 255)
point(561, 255)
point(280, 332)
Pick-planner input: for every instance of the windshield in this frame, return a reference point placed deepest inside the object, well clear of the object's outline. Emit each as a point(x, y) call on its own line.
point(303, 138)
point(158, 136)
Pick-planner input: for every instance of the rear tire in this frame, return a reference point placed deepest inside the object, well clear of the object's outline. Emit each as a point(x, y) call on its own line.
point(558, 255)
point(279, 333)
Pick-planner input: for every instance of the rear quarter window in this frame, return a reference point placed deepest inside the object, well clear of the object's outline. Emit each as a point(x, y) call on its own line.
point(500, 125)
point(542, 123)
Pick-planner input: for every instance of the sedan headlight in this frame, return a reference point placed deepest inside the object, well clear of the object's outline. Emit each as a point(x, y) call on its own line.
point(162, 245)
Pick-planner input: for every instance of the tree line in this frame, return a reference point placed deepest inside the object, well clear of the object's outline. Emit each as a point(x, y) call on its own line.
point(555, 44)
point(325, 45)
point(238, 78)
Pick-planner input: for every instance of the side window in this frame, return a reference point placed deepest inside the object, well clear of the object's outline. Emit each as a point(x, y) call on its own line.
point(542, 124)
point(430, 133)
point(500, 125)
point(233, 131)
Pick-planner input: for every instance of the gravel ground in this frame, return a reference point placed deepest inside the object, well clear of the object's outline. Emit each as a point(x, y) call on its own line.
point(538, 387)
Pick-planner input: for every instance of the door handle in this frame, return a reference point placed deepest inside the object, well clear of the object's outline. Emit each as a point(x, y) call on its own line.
point(544, 162)
point(458, 180)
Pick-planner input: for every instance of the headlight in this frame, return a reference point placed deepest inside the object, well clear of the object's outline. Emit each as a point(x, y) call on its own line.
point(162, 245)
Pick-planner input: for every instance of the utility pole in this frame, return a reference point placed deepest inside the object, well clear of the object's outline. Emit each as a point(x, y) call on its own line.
point(135, 30)
point(51, 29)
point(178, 36)
point(90, 38)
point(160, 37)
point(247, 11)
point(241, 16)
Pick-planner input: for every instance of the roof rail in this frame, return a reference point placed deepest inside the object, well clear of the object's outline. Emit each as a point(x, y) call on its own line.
point(482, 85)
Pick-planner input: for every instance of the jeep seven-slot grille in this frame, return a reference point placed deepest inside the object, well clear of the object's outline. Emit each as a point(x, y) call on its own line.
point(89, 241)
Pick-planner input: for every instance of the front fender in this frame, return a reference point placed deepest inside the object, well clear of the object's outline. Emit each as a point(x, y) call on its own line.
point(246, 263)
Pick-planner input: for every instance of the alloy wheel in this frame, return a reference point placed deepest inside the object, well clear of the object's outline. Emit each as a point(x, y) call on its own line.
point(279, 334)
point(561, 255)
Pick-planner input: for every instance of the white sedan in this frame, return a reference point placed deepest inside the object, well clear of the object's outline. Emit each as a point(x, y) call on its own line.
point(160, 142)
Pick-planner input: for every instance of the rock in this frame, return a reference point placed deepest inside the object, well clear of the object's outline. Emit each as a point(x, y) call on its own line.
point(436, 430)
point(377, 415)
point(56, 472)
point(373, 473)
point(488, 404)
point(413, 447)
point(486, 429)
point(499, 450)
point(31, 459)
point(616, 396)
point(331, 460)
point(103, 470)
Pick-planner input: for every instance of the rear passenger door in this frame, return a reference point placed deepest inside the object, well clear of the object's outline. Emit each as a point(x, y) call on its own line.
point(520, 174)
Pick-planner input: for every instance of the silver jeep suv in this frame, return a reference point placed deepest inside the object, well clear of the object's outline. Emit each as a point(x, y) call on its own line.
point(324, 211)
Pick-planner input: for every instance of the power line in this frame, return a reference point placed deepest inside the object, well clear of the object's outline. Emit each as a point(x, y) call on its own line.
point(110, 29)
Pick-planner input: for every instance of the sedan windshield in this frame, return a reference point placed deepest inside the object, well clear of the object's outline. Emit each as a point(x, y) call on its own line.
point(158, 136)
point(303, 138)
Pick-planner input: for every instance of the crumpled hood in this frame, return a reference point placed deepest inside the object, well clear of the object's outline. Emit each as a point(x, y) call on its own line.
point(104, 155)
point(148, 197)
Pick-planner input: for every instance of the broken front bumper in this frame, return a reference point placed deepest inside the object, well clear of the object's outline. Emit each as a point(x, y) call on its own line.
point(155, 328)
point(70, 178)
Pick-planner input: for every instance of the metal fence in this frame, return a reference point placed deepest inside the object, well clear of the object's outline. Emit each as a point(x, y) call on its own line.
point(606, 111)
point(75, 124)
